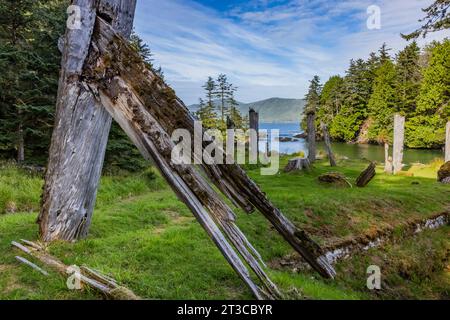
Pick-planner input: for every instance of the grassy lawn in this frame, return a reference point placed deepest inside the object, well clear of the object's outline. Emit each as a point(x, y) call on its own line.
point(148, 240)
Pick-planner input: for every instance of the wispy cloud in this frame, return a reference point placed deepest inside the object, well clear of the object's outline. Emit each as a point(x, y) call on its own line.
point(267, 48)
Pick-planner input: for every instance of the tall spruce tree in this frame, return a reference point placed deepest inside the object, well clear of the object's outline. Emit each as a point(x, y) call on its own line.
point(408, 77)
point(426, 128)
point(383, 103)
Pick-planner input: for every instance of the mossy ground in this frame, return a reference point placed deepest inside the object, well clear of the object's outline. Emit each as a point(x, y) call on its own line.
point(149, 241)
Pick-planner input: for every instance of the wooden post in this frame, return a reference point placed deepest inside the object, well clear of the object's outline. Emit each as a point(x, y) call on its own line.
point(327, 140)
point(387, 159)
point(399, 141)
point(145, 106)
point(254, 125)
point(311, 119)
point(81, 129)
point(447, 143)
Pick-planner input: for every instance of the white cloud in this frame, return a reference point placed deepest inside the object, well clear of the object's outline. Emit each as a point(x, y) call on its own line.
point(268, 50)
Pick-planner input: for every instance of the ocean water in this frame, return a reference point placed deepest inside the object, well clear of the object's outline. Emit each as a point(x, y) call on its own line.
point(351, 151)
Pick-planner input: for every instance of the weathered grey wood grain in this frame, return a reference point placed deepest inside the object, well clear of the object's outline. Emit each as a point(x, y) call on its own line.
point(327, 140)
point(81, 129)
point(311, 123)
point(366, 176)
point(162, 104)
point(297, 164)
point(399, 141)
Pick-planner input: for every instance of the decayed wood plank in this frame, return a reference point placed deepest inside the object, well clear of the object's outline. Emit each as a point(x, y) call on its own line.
point(81, 129)
point(111, 57)
point(327, 140)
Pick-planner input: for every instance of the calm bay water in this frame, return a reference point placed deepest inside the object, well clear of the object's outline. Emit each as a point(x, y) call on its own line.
point(352, 151)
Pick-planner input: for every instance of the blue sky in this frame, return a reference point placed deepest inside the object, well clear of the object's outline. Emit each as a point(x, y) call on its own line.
point(268, 48)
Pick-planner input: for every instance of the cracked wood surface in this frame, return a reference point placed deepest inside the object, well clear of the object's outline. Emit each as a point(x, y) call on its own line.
point(81, 129)
point(149, 111)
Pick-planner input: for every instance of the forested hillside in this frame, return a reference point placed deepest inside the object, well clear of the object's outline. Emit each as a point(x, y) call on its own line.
point(415, 83)
point(30, 64)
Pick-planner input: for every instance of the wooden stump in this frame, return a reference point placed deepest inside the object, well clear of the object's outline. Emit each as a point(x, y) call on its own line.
point(298, 164)
point(366, 176)
point(387, 159)
point(81, 130)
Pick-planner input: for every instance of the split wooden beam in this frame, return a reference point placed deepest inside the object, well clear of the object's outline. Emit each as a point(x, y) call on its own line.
point(81, 128)
point(149, 112)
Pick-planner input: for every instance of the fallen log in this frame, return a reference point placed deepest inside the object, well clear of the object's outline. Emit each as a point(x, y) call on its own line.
point(298, 164)
point(106, 285)
point(366, 176)
point(149, 112)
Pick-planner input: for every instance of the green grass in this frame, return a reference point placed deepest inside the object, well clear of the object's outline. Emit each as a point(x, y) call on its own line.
point(148, 240)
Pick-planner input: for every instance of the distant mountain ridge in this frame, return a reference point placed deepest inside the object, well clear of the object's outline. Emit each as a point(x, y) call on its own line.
point(271, 110)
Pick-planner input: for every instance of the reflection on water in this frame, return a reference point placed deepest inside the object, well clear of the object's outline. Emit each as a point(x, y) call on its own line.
point(351, 151)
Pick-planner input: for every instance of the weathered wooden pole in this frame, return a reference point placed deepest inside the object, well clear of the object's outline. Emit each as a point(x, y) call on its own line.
point(447, 143)
point(399, 141)
point(311, 120)
point(387, 159)
point(327, 140)
point(81, 128)
point(254, 125)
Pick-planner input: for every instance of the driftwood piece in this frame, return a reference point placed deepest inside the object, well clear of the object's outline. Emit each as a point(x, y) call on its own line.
point(311, 122)
point(327, 140)
point(107, 286)
point(149, 111)
point(399, 141)
point(447, 142)
point(32, 265)
point(81, 129)
point(298, 164)
point(336, 179)
point(366, 176)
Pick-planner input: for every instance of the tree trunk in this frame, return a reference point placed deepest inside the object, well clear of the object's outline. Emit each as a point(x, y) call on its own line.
point(311, 118)
point(146, 107)
point(81, 130)
point(326, 138)
point(447, 143)
point(399, 141)
point(20, 144)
